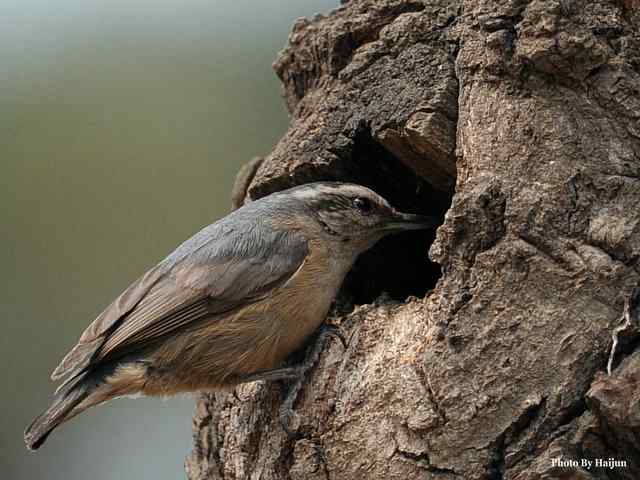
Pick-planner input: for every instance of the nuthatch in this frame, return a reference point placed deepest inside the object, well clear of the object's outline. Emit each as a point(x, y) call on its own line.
point(229, 304)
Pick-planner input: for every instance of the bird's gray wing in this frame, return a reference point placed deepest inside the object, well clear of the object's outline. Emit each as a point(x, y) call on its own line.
point(215, 271)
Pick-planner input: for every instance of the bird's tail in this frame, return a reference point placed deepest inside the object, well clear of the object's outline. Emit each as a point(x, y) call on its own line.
point(61, 410)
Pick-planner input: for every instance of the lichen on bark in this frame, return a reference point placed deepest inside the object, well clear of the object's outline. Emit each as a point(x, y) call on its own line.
point(519, 119)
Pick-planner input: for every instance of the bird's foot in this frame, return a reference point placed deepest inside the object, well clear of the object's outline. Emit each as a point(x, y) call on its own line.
point(288, 417)
point(294, 376)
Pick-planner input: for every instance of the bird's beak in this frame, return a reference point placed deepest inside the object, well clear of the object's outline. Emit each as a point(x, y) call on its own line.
point(406, 221)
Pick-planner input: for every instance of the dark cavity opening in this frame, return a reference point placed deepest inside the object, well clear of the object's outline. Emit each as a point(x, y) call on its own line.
point(399, 264)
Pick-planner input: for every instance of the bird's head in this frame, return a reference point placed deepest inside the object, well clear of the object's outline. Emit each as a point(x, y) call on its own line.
point(349, 214)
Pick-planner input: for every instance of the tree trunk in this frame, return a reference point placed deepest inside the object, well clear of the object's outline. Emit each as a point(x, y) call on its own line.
point(520, 120)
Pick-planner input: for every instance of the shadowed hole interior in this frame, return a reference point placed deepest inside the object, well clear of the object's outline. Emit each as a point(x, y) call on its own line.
point(399, 264)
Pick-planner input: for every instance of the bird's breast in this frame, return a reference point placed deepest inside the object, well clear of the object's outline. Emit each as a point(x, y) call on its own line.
point(302, 304)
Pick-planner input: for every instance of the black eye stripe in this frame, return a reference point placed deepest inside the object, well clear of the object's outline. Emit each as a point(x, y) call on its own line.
point(337, 203)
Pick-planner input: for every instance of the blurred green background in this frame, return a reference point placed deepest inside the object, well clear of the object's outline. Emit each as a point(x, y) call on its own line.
point(122, 125)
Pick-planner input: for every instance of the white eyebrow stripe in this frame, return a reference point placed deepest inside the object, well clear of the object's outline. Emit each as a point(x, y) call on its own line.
point(316, 190)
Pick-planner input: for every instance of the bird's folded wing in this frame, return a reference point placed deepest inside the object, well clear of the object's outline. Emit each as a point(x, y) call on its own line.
point(212, 277)
point(93, 336)
point(166, 307)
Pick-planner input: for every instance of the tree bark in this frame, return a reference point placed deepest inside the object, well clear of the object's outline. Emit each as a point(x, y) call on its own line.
point(521, 120)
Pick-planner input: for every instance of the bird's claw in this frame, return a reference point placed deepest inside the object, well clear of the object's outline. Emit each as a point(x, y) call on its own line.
point(289, 420)
point(327, 330)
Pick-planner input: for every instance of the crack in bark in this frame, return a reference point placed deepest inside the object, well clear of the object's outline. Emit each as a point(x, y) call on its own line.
point(347, 43)
point(545, 252)
point(424, 462)
point(627, 321)
point(572, 412)
point(495, 469)
point(498, 448)
point(431, 396)
point(574, 198)
point(211, 458)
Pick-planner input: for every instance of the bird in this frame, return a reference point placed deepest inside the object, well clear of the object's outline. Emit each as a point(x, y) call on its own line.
point(227, 306)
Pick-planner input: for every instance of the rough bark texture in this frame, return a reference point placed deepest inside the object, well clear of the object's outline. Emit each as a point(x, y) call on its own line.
point(529, 111)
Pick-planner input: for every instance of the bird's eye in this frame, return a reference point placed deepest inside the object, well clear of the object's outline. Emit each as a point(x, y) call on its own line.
point(362, 204)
